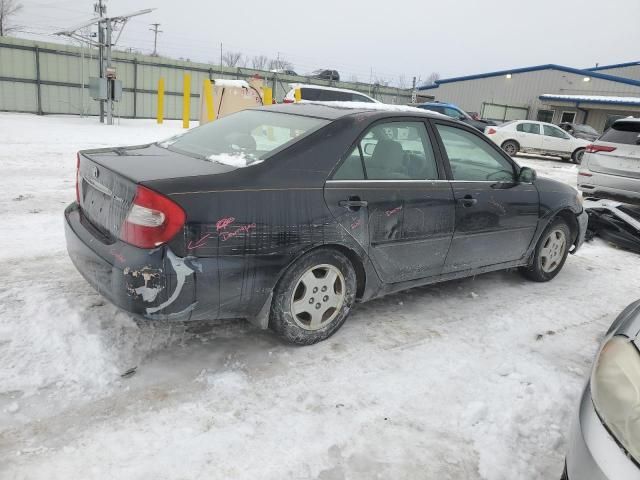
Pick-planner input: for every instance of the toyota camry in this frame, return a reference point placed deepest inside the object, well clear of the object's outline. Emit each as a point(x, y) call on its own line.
point(287, 215)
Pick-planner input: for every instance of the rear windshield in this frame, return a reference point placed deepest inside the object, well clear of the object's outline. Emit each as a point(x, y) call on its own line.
point(244, 138)
point(622, 132)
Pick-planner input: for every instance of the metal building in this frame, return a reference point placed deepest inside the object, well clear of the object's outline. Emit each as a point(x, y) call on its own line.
point(549, 93)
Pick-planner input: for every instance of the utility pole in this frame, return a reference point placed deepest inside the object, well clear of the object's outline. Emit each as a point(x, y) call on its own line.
point(221, 56)
point(414, 93)
point(155, 37)
point(107, 74)
point(100, 10)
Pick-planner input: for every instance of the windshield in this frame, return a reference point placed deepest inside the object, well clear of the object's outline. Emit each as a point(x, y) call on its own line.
point(244, 138)
point(585, 129)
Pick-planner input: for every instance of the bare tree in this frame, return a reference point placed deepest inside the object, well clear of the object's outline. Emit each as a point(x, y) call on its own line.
point(8, 8)
point(432, 79)
point(280, 64)
point(259, 62)
point(353, 79)
point(231, 59)
point(402, 81)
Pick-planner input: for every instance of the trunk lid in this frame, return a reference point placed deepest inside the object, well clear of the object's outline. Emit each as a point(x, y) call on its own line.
point(108, 178)
point(623, 161)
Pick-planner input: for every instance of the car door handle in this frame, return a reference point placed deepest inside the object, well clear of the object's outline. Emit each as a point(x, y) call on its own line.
point(467, 201)
point(353, 203)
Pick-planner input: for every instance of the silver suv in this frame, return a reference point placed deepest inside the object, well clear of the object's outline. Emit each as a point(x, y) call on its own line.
point(610, 166)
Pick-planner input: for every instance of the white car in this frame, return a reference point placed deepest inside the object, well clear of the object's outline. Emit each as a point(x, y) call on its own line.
point(529, 136)
point(319, 93)
point(611, 165)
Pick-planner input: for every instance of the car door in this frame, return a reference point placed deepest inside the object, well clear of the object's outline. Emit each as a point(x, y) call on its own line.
point(496, 216)
point(555, 140)
point(529, 136)
point(390, 194)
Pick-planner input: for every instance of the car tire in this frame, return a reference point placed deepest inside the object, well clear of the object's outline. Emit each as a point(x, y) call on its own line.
point(314, 297)
point(550, 253)
point(577, 156)
point(510, 147)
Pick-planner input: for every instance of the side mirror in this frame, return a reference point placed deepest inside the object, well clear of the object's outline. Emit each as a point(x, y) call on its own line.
point(369, 148)
point(462, 117)
point(527, 175)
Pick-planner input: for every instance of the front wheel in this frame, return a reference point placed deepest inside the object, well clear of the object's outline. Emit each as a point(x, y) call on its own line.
point(314, 297)
point(577, 156)
point(550, 253)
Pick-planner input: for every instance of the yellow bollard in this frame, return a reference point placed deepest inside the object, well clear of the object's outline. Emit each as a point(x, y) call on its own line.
point(298, 94)
point(208, 99)
point(186, 100)
point(267, 96)
point(160, 113)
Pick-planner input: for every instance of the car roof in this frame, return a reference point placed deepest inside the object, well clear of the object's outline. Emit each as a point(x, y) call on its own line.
point(335, 110)
point(627, 119)
point(322, 87)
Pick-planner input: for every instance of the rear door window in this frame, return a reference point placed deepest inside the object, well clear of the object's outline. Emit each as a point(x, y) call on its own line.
point(391, 151)
point(627, 133)
point(529, 128)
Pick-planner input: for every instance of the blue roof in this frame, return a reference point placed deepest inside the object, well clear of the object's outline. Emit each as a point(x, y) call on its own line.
point(535, 68)
point(615, 65)
point(577, 99)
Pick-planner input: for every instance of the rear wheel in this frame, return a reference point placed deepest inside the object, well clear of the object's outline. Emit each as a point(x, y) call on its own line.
point(314, 297)
point(551, 252)
point(510, 147)
point(577, 156)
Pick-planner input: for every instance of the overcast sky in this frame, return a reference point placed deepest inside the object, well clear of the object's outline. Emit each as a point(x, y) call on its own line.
point(392, 38)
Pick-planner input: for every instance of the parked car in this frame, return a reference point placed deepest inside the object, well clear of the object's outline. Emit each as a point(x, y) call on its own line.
point(319, 93)
point(529, 136)
point(284, 71)
point(325, 74)
point(580, 130)
point(611, 165)
point(605, 439)
point(451, 110)
point(288, 214)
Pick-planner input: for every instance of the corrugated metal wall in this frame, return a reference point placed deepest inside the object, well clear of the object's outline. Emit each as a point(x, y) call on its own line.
point(523, 90)
point(45, 78)
point(631, 71)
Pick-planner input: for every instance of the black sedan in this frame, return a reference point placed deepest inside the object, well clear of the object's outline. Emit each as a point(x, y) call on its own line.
point(286, 215)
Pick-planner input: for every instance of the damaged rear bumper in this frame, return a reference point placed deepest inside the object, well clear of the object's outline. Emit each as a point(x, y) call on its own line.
point(583, 221)
point(153, 284)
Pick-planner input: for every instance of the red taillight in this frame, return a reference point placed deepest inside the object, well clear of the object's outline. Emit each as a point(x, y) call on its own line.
point(288, 100)
point(78, 178)
point(491, 131)
point(153, 220)
point(599, 148)
point(585, 174)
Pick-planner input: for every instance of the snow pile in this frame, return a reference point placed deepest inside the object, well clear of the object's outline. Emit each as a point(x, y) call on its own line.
point(387, 107)
point(237, 160)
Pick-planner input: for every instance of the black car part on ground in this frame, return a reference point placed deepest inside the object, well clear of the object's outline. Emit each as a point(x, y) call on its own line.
point(615, 223)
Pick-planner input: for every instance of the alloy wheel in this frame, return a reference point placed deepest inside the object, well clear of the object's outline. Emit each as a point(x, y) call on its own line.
point(318, 297)
point(552, 251)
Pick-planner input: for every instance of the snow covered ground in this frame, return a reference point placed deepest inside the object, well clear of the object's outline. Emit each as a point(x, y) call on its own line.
point(476, 378)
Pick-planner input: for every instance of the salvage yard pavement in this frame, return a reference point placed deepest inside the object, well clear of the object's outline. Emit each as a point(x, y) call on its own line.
point(475, 378)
